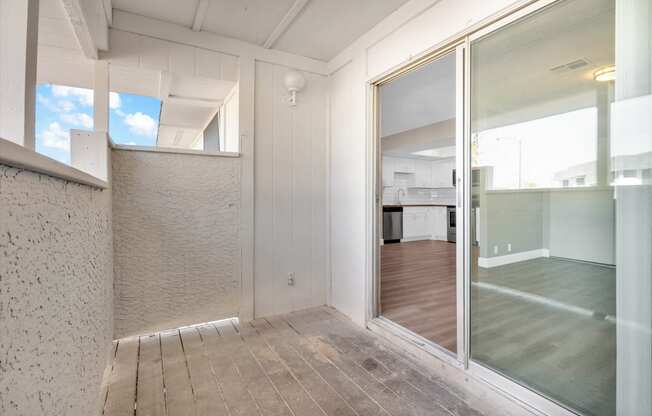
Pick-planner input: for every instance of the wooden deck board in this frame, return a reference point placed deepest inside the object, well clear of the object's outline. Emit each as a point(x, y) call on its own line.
point(179, 400)
point(121, 394)
point(151, 399)
point(310, 363)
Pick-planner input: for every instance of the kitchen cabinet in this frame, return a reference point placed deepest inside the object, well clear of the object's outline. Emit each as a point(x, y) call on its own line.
point(438, 223)
point(442, 173)
point(424, 223)
point(388, 171)
point(415, 223)
point(423, 174)
point(402, 165)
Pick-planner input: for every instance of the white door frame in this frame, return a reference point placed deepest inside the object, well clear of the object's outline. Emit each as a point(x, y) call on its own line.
point(530, 399)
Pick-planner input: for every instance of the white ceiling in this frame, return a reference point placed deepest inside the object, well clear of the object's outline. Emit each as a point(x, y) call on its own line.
point(321, 30)
point(419, 98)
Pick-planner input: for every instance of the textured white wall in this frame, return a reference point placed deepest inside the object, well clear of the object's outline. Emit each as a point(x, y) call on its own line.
point(175, 221)
point(56, 294)
point(290, 192)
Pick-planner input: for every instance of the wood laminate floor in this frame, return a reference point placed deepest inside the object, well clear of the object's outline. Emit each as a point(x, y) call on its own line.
point(418, 289)
point(308, 363)
point(547, 323)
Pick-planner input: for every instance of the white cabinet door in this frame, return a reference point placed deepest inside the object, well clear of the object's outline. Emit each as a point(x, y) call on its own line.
point(388, 171)
point(415, 224)
point(431, 224)
point(423, 174)
point(442, 174)
point(403, 165)
point(441, 225)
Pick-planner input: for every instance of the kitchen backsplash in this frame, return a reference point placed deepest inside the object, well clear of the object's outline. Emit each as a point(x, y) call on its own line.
point(444, 196)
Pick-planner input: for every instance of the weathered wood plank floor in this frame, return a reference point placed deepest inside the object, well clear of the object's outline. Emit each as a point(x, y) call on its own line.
point(313, 362)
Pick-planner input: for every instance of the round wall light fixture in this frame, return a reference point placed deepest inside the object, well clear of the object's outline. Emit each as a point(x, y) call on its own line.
point(294, 82)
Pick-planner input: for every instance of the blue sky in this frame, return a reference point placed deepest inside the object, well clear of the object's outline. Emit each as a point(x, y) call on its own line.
point(133, 119)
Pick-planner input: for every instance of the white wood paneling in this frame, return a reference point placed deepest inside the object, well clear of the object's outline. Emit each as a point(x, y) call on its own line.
point(290, 192)
point(133, 50)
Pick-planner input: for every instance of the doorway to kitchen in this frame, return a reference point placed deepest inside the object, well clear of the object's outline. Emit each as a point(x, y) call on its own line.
point(418, 130)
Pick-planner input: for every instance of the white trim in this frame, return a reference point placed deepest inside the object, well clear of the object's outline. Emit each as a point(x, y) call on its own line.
point(107, 6)
point(200, 15)
point(172, 150)
point(80, 27)
point(489, 262)
point(12, 154)
point(171, 32)
point(285, 23)
point(406, 338)
point(246, 126)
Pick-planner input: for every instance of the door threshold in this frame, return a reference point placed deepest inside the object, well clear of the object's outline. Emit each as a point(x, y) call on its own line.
point(420, 345)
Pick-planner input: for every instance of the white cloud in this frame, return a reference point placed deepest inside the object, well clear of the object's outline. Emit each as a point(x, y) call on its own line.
point(78, 119)
point(56, 137)
point(141, 124)
point(66, 105)
point(114, 100)
point(84, 96)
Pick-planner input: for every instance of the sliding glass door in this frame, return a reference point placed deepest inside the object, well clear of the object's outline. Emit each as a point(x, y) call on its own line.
point(561, 206)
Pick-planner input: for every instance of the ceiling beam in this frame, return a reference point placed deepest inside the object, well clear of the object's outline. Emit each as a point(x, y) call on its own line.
point(194, 101)
point(285, 23)
point(200, 14)
point(108, 11)
point(80, 27)
point(130, 22)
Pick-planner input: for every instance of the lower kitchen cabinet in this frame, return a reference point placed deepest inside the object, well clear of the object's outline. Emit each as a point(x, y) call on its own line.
point(424, 223)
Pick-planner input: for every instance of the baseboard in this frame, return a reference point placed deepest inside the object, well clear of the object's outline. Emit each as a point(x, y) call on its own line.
point(489, 262)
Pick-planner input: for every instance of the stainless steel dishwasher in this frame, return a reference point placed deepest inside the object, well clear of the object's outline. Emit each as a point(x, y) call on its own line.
point(392, 224)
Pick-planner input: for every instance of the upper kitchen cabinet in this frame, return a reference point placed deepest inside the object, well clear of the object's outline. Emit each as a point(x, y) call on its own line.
point(442, 173)
point(388, 171)
point(423, 174)
point(402, 165)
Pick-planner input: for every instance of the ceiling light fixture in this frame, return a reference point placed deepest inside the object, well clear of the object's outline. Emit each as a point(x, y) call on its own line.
point(294, 82)
point(605, 74)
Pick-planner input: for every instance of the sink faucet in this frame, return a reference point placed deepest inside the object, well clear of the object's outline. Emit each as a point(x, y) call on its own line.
point(399, 191)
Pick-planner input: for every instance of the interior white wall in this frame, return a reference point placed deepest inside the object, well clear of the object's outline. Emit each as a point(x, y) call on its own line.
point(348, 158)
point(412, 30)
point(290, 192)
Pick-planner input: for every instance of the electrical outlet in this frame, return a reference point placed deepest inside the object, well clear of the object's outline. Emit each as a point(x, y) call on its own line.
point(291, 279)
point(495, 249)
point(509, 247)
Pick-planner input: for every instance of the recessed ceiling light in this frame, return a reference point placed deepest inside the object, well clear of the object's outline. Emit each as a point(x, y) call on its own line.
point(441, 152)
point(606, 74)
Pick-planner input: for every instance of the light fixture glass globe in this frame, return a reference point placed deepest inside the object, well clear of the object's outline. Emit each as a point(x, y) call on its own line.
point(294, 81)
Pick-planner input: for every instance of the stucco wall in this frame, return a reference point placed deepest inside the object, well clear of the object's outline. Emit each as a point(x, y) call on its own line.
point(175, 219)
point(56, 294)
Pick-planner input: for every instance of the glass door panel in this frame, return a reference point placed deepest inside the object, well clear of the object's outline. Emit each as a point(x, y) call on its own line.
point(545, 260)
point(418, 134)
